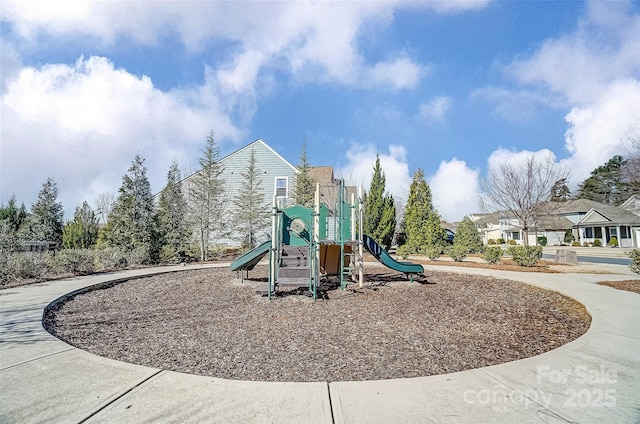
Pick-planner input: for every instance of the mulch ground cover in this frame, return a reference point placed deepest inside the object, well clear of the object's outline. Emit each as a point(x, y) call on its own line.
point(627, 285)
point(206, 322)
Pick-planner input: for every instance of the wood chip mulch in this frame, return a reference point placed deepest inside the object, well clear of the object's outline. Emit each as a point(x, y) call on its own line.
point(627, 285)
point(206, 322)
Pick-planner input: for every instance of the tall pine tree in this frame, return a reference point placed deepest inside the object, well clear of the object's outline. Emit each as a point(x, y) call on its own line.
point(417, 212)
point(82, 231)
point(208, 199)
point(47, 216)
point(305, 184)
point(251, 214)
point(379, 209)
point(607, 183)
point(132, 219)
point(172, 218)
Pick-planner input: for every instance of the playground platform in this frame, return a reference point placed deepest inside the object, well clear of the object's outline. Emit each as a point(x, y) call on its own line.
point(592, 379)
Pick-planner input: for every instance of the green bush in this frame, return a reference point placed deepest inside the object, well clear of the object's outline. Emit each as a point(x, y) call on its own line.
point(500, 241)
point(635, 260)
point(492, 254)
point(403, 251)
point(613, 242)
point(597, 243)
point(24, 265)
point(77, 261)
point(525, 255)
point(569, 237)
point(110, 258)
point(542, 240)
point(491, 241)
point(457, 253)
point(512, 242)
point(575, 244)
point(432, 252)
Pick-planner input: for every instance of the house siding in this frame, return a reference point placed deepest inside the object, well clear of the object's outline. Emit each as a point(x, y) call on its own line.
point(270, 166)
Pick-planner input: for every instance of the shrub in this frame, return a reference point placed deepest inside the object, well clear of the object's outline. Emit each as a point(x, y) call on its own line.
point(140, 255)
point(613, 242)
point(575, 244)
point(512, 242)
point(492, 254)
point(597, 243)
point(586, 244)
point(77, 261)
point(403, 251)
point(457, 252)
point(635, 260)
point(23, 265)
point(542, 240)
point(568, 236)
point(111, 257)
point(491, 241)
point(500, 241)
point(432, 252)
point(525, 255)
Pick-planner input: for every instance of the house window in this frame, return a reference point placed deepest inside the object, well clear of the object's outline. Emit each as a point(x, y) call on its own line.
point(282, 186)
point(598, 232)
point(515, 235)
point(588, 232)
point(625, 232)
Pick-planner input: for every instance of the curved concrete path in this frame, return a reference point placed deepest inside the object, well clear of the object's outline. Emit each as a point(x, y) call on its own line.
point(593, 379)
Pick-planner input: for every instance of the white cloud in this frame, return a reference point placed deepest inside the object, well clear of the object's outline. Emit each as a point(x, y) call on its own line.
point(83, 124)
point(455, 189)
point(315, 41)
point(517, 105)
point(435, 111)
point(592, 72)
point(581, 65)
point(597, 131)
point(361, 160)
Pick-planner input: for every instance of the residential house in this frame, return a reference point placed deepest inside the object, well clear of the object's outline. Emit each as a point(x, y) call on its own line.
point(587, 220)
point(277, 178)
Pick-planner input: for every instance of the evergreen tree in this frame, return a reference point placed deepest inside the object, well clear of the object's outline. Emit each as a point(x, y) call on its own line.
point(132, 219)
point(208, 198)
point(46, 220)
point(560, 191)
point(373, 202)
point(304, 183)
point(82, 231)
point(386, 227)
point(607, 183)
point(251, 215)
point(467, 236)
point(376, 204)
point(12, 219)
point(434, 235)
point(173, 227)
point(417, 212)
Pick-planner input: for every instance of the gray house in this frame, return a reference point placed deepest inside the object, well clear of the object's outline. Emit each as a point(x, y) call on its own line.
point(588, 220)
point(277, 178)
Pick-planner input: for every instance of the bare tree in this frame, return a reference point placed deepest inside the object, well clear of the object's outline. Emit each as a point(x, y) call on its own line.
point(524, 191)
point(104, 204)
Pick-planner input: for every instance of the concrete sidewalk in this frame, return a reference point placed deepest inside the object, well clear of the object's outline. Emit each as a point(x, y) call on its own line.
point(592, 379)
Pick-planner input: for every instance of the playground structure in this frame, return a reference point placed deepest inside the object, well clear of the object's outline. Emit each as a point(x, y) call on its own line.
point(312, 244)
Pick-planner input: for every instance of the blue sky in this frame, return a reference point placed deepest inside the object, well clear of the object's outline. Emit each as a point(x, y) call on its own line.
point(452, 87)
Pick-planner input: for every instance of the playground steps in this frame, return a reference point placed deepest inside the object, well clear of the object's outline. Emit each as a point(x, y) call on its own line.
point(294, 267)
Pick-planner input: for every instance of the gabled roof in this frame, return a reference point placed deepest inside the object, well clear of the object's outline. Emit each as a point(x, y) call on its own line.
point(632, 204)
point(574, 206)
point(251, 145)
point(608, 215)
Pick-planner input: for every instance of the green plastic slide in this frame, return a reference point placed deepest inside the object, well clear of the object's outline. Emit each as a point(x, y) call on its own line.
point(249, 260)
point(384, 258)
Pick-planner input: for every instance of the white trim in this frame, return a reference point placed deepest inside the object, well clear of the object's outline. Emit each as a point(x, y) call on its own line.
point(275, 187)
